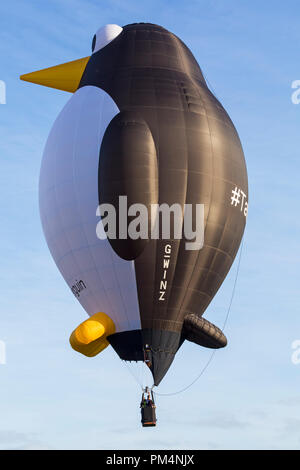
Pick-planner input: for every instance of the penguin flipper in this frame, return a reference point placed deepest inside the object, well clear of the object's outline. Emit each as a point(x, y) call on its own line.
point(202, 332)
point(128, 167)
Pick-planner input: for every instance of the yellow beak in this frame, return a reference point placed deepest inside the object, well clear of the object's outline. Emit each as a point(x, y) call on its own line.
point(64, 77)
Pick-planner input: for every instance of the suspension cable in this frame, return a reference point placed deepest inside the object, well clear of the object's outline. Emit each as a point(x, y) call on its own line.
point(133, 375)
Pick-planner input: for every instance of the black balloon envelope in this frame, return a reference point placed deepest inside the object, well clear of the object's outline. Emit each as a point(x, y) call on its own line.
point(141, 128)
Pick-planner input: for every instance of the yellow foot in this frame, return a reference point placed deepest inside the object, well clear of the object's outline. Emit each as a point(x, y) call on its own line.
point(89, 338)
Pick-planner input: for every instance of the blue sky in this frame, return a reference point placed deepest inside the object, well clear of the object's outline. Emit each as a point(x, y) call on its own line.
point(51, 397)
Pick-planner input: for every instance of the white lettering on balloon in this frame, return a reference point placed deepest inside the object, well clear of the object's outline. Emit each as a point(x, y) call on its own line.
point(166, 264)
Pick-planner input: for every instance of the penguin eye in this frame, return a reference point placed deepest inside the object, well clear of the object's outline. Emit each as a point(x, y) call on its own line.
point(94, 42)
point(104, 36)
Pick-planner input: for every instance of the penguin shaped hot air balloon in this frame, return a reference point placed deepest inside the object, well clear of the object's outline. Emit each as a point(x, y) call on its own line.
point(143, 125)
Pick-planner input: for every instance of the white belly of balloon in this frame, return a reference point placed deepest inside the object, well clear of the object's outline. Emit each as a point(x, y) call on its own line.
point(96, 275)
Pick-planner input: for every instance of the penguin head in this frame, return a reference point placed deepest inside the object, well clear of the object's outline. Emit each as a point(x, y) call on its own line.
point(117, 49)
